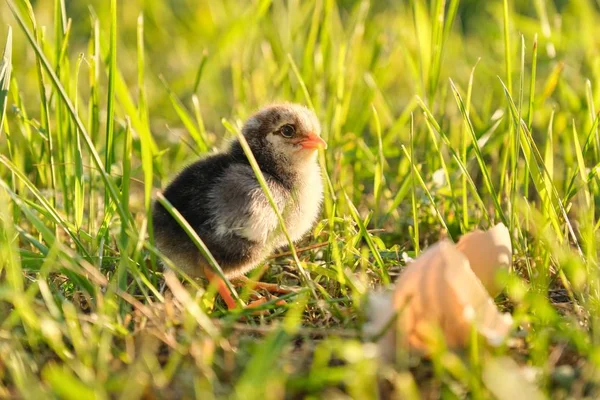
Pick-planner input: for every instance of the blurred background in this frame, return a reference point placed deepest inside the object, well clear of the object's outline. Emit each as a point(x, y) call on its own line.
point(235, 56)
point(380, 51)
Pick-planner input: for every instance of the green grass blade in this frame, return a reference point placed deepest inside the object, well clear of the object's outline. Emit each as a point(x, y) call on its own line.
point(65, 384)
point(413, 192)
point(305, 91)
point(379, 176)
point(479, 156)
point(126, 179)
point(459, 162)
point(10, 260)
point(146, 141)
point(197, 241)
point(56, 82)
point(5, 70)
point(93, 114)
point(142, 102)
point(465, 139)
point(530, 113)
point(37, 38)
point(542, 170)
point(110, 102)
point(263, 184)
point(48, 237)
point(200, 70)
point(79, 195)
point(422, 183)
point(570, 191)
point(370, 242)
point(442, 24)
point(262, 365)
point(186, 119)
point(589, 96)
point(46, 205)
point(438, 151)
point(507, 48)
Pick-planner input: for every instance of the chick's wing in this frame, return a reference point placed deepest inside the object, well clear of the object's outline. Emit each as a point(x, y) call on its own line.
point(241, 207)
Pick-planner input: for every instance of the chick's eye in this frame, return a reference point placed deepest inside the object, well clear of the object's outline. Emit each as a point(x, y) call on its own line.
point(287, 131)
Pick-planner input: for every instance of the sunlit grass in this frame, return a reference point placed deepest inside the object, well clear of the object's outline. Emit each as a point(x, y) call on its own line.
point(440, 117)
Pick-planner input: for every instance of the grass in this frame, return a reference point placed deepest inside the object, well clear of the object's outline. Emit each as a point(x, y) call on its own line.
point(440, 117)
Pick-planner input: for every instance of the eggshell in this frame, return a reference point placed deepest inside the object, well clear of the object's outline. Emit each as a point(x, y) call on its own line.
point(487, 252)
point(439, 292)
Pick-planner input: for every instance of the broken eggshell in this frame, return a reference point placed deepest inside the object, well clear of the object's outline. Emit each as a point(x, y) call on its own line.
point(487, 252)
point(444, 291)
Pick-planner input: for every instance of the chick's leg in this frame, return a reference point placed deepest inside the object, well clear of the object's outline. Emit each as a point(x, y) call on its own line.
point(226, 294)
point(222, 288)
point(255, 285)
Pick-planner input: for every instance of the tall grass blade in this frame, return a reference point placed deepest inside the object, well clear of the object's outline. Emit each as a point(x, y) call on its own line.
point(305, 91)
point(379, 177)
point(56, 82)
point(186, 119)
point(79, 194)
point(423, 185)
point(369, 240)
point(507, 47)
point(589, 96)
point(479, 156)
point(200, 70)
point(542, 170)
point(110, 102)
point(465, 140)
point(55, 216)
point(413, 191)
point(37, 38)
point(263, 184)
point(457, 159)
point(146, 142)
point(197, 241)
point(5, 70)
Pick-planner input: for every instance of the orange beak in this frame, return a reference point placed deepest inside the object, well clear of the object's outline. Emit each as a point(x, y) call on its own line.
point(313, 141)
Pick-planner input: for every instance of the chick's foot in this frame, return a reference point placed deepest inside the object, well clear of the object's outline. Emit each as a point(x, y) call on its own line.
point(257, 285)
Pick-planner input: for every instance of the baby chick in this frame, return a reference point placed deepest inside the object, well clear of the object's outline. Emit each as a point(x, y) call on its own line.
point(222, 200)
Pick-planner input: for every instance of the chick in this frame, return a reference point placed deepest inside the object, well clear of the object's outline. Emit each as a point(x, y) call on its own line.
point(222, 200)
